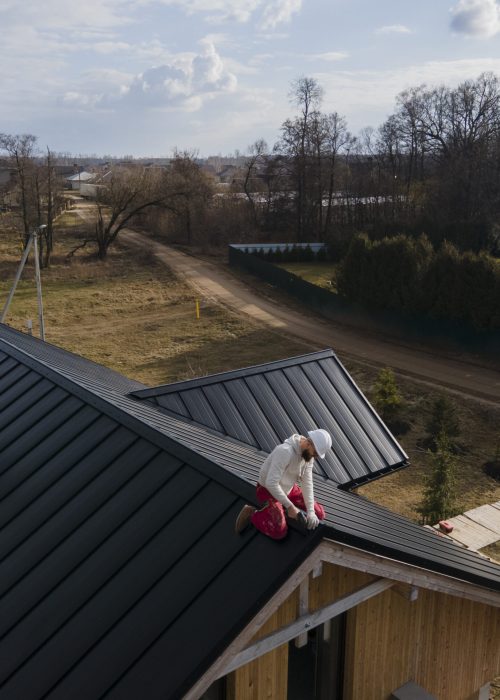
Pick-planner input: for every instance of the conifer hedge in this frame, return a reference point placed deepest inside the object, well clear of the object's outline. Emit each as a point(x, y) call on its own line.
point(406, 274)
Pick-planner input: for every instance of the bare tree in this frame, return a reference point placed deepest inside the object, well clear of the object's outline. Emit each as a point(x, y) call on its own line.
point(125, 194)
point(337, 140)
point(256, 161)
point(189, 190)
point(21, 149)
point(297, 145)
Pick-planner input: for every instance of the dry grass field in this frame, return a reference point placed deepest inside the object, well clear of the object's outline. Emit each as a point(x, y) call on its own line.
point(132, 314)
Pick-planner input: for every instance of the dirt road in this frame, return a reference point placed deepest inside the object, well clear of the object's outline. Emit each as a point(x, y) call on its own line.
point(465, 376)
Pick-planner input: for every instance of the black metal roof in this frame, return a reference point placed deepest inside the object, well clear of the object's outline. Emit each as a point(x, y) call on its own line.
point(264, 404)
point(117, 550)
point(120, 574)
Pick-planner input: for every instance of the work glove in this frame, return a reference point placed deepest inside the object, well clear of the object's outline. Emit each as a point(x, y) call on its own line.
point(312, 521)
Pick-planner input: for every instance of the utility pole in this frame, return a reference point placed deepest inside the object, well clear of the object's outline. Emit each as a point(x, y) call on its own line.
point(32, 239)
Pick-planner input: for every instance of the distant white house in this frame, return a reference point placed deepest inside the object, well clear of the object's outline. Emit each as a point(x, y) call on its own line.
point(75, 182)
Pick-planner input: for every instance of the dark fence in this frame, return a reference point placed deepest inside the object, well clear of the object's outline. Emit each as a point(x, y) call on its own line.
point(337, 308)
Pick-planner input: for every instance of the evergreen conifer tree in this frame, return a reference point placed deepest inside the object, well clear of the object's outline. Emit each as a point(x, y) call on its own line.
point(386, 396)
point(443, 419)
point(439, 501)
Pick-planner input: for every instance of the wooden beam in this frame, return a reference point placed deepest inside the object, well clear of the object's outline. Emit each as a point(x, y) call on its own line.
point(301, 640)
point(318, 570)
point(407, 592)
point(306, 623)
point(352, 558)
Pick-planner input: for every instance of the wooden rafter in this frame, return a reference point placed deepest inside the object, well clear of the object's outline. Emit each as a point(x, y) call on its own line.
point(305, 623)
point(352, 558)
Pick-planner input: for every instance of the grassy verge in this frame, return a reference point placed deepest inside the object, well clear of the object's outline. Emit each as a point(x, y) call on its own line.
point(320, 274)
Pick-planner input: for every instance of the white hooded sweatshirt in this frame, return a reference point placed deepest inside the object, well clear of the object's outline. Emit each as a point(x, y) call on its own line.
point(285, 467)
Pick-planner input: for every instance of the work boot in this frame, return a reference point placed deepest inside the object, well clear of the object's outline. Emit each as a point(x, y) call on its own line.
point(243, 519)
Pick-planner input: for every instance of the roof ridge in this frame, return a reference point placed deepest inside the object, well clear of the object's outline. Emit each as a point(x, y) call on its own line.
point(232, 374)
point(46, 346)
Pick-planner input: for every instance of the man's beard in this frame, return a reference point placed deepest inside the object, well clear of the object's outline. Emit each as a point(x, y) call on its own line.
point(307, 454)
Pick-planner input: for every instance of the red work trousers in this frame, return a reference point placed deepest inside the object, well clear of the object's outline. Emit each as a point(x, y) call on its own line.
point(271, 520)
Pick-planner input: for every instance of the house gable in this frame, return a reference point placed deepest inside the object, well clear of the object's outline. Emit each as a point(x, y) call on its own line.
point(378, 595)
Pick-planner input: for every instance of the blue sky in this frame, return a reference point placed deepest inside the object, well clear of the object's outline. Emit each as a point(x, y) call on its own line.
point(143, 77)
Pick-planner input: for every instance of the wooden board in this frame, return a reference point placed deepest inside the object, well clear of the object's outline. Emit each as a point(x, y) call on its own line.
point(470, 533)
point(487, 516)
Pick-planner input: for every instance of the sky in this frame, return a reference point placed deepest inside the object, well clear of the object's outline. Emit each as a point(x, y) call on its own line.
point(143, 77)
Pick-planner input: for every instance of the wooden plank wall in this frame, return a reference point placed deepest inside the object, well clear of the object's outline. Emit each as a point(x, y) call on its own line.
point(450, 646)
point(266, 678)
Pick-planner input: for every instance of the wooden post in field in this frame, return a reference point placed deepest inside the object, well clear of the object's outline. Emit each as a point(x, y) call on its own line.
point(39, 285)
point(17, 278)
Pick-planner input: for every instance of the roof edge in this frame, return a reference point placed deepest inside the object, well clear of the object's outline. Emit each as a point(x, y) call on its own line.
point(373, 476)
point(59, 349)
point(231, 374)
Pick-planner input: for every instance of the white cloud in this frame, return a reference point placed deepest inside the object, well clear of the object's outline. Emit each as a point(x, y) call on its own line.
point(479, 18)
point(279, 12)
point(59, 15)
point(328, 56)
point(184, 83)
point(216, 11)
point(274, 12)
point(393, 29)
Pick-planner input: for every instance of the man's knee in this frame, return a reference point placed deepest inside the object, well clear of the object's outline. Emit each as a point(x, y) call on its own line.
point(271, 521)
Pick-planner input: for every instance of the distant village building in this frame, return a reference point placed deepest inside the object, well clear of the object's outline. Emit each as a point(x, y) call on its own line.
point(74, 182)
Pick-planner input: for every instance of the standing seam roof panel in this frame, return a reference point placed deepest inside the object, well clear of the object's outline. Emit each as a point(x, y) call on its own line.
point(199, 406)
point(342, 448)
point(123, 547)
point(7, 366)
point(13, 378)
point(113, 616)
point(251, 414)
point(29, 399)
point(260, 387)
point(228, 413)
point(372, 422)
point(50, 407)
point(174, 403)
point(347, 421)
point(102, 486)
point(304, 421)
point(31, 455)
point(34, 488)
point(83, 537)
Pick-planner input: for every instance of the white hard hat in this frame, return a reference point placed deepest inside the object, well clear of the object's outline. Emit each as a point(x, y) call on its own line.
point(321, 440)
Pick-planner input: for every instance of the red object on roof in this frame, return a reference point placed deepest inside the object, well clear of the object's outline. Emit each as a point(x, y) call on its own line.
point(445, 526)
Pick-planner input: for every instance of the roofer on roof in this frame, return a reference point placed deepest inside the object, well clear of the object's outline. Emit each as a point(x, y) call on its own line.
point(278, 490)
